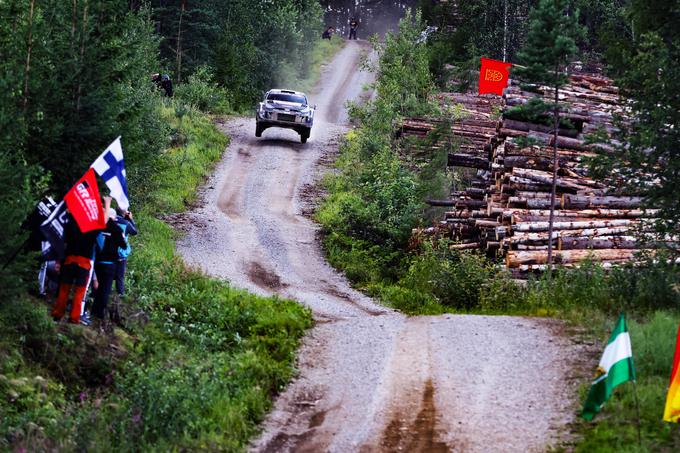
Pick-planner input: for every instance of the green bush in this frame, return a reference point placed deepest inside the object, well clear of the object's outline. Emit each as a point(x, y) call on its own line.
point(202, 93)
point(20, 185)
point(589, 287)
point(454, 278)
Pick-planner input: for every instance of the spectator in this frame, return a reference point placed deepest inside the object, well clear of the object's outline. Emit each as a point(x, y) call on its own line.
point(353, 25)
point(49, 278)
point(328, 34)
point(75, 270)
point(163, 82)
point(127, 224)
point(108, 243)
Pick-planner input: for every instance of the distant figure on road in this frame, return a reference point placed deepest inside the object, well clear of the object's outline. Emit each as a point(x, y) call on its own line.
point(353, 25)
point(328, 34)
point(163, 81)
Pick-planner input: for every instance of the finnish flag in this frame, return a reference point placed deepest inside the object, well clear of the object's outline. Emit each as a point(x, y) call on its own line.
point(110, 166)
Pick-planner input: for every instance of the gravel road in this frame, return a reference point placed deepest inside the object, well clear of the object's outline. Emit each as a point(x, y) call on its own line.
point(370, 379)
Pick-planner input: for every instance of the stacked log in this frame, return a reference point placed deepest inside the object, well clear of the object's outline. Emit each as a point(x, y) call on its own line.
point(473, 131)
point(506, 211)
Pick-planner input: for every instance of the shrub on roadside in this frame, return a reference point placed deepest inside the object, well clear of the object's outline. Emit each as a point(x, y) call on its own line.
point(202, 93)
point(454, 278)
point(590, 287)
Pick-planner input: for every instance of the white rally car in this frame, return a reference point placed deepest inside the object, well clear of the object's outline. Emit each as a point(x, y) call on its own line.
point(285, 108)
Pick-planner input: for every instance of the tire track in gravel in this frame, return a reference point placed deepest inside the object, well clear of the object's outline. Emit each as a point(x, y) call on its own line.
point(370, 379)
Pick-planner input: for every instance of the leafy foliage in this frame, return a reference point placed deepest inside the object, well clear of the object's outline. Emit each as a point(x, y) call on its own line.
point(647, 159)
point(376, 199)
point(202, 94)
point(251, 45)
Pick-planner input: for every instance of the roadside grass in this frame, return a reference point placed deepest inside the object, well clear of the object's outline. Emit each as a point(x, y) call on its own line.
point(615, 428)
point(194, 369)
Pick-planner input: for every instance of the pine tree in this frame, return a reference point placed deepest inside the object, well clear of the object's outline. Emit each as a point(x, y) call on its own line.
point(550, 45)
point(648, 157)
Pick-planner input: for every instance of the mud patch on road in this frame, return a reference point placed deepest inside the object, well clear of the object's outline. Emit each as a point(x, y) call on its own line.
point(264, 278)
point(421, 436)
point(348, 298)
point(305, 438)
point(317, 419)
point(183, 222)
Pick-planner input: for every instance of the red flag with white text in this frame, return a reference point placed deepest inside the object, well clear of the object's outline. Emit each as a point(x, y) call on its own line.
point(493, 76)
point(85, 204)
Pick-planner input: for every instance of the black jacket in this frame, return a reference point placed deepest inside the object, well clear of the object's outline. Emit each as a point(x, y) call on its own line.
point(78, 243)
point(108, 243)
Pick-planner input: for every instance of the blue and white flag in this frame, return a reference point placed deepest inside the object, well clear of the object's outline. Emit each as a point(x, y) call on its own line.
point(110, 166)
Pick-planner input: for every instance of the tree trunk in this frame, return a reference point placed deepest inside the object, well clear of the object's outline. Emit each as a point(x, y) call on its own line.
point(441, 202)
point(505, 30)
point(520, 238)
point(602, 242)
point(465, 160)
point(29, 51)
point(178, 49)
point(516, 258)
point(551, 225)
point(84, 33)
point(612, 202)
point(593, 213)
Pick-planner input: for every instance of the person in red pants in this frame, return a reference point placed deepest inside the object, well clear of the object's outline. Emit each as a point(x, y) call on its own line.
point(75, 270)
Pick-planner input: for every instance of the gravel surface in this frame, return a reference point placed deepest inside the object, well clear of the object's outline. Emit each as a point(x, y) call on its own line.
point(370, 379)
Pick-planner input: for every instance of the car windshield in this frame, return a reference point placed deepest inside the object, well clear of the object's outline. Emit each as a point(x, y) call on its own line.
point(285, 97)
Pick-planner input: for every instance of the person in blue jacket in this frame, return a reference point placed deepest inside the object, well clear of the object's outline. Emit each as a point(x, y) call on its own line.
point(127, 224)
point(108, 243)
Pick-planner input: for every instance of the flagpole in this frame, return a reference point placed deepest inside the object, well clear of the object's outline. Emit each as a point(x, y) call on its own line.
point(637, 407)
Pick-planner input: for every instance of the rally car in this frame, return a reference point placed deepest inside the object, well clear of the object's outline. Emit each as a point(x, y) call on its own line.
point(285, 108)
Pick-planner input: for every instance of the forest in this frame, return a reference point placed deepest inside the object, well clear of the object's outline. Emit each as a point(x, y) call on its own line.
point(198, 367)
point(75, 75)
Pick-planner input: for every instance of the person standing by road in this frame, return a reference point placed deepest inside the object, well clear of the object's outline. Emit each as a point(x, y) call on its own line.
point(76, 268)
point(127, 224)
point(108, 243)
point(353, 25)
point(163, 82)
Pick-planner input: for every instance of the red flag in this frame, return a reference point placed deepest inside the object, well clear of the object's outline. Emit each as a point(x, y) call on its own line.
point(85, 204)
point(493, 77)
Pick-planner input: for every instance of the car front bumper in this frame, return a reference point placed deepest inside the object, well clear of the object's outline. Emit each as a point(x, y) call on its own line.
point(289, 120)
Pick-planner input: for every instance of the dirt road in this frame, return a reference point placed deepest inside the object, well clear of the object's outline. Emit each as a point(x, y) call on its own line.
point(370, 379)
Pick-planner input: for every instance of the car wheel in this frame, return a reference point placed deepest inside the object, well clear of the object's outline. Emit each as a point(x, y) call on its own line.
point(258, 130)
point(304, 136)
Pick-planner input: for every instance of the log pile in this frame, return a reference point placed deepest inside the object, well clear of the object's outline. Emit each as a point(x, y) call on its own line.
point(505, 211)
point(475, 134)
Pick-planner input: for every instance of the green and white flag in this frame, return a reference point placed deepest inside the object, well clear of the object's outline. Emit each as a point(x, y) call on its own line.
point(616, 367)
